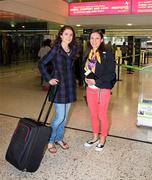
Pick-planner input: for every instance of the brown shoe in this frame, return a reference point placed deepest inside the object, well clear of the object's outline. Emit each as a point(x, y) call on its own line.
point(51, 148)
point(62, 144)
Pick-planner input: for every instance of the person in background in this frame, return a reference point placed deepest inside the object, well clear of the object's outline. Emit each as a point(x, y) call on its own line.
point(109, 46)
point(78, 67)
point(124, 50)
point(99, 67)
point(129, 59)
point(46, 47)
point(114, 49)
point(62, 56)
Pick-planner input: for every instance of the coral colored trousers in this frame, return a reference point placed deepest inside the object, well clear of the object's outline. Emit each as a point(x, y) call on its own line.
point(98, 101)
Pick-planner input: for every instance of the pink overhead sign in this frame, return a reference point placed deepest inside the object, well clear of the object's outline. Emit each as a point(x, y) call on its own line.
point(141, 6)
point(100, 7)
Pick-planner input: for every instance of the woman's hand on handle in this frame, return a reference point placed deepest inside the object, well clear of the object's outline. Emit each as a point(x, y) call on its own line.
point(53, 82)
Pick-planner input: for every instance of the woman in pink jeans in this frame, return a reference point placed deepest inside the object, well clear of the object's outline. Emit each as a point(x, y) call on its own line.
point(100, 77)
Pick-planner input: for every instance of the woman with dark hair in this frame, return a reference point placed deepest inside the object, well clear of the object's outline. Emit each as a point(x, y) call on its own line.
point(99, 66)
point(62, 56)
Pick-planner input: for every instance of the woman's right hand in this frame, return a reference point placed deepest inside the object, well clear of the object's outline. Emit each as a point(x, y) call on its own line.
point(90, 82)
point(53, 82)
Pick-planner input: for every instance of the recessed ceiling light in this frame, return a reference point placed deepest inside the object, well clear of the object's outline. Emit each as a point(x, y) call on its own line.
point(129, 24)
point(12, 25)
point(78, 25)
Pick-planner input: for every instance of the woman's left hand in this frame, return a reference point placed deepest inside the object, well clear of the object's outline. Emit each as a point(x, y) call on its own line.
point(90, 81)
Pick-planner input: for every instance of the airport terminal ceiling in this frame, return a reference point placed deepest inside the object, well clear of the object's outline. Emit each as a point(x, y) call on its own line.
point(76, 1)
point(110, 22)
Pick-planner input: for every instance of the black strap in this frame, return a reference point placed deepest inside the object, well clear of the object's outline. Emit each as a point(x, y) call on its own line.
point(54, 91)
point(42, 108)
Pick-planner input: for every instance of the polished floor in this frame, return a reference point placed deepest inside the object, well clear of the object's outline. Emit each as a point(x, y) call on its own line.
point(128, 151)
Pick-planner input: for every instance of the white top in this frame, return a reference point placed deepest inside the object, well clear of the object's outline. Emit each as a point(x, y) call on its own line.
point(43, 51)
point(93, 87)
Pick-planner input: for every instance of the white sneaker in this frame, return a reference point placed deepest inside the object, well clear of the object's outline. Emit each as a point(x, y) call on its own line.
point(91, 143)
point(99, 147)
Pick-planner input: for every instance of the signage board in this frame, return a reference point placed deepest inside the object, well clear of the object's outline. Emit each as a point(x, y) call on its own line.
point(144, 115)
point(101, 7)
point(141, 6)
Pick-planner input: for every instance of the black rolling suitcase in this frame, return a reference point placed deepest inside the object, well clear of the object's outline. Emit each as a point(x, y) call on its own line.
point(29, 141)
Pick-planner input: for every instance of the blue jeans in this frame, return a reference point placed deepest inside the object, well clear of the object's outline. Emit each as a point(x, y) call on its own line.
point(59, 121)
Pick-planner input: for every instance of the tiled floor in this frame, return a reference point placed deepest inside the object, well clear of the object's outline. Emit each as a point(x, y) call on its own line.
point(128, 151)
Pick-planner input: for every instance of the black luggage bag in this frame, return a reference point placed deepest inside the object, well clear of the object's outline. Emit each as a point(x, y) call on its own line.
point(29, 142)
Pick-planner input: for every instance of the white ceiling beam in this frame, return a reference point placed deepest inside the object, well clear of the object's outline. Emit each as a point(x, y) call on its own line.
point(48, 10)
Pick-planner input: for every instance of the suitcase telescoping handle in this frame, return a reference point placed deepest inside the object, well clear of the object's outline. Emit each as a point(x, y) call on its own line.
point(54, 91)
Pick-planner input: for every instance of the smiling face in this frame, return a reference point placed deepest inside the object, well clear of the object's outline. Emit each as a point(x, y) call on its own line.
point(67, 36)
point(95, 40)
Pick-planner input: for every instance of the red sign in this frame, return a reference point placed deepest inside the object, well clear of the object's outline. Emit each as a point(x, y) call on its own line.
point(141, 6)
point(100, 7)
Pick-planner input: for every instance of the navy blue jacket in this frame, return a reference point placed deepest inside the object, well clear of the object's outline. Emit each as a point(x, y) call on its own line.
point(105, 72)
point(63, 71)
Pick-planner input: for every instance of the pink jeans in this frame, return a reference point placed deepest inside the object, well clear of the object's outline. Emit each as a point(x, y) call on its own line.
point(98, 101)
